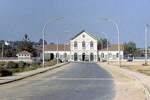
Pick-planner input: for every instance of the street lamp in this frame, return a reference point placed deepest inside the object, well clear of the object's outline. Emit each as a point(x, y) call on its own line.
point(2, 54)
point(43, 32)
point(101, 43)
point(117, 28)
point(57, 55)
point(106, 36)
point(146, 31)
point(65, 44)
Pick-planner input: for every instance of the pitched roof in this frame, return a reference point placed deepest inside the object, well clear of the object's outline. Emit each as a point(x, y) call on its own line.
point(53, 47)
point(25, 53)
point(85, 32)
point(113, 47)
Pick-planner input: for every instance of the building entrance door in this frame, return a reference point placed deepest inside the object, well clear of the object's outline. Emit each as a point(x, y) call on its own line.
point(51, 56)
point(83, 56)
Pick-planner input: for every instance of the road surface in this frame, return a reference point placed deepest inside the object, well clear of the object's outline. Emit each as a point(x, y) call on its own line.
point(75, 81)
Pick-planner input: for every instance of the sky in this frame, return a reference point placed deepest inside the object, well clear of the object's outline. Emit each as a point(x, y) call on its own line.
point(19, 17)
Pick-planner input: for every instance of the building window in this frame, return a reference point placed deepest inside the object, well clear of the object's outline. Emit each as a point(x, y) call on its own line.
point(75, 57)
point(83, 36)
point(75, 44)
point(117, 55)
point(91, 44)
point(83, 44)
point(102, 55)
point(57, 55)
point(65, 55)
point(91, 57)
point(110, 55)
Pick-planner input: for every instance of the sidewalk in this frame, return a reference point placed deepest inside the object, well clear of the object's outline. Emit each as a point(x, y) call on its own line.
point(126, 85)
point(19, 76)
point(143, 79)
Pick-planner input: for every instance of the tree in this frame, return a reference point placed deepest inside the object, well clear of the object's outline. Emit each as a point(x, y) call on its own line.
point(26, 37)
point(130, 48)
point(26, 45)
point(41, 42)
point(102, 43)
point(8, 50)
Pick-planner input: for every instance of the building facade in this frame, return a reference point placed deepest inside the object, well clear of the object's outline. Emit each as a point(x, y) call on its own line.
point(24, 56)
point(82, 47)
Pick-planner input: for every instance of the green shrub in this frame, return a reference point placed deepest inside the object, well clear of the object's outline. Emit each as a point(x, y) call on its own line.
point(51, 62)
point(2, 64)
point(37, 61)
point(12, 65)
point(36, 65)
point(6, 72)
point(23, 64)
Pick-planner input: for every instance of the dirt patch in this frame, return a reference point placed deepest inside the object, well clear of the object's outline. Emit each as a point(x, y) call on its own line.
point(126, 87)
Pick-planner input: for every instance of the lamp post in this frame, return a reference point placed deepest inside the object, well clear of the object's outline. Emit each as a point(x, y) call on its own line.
point(2, 55)
point(57, 52)
point(118, 32)
point(107, 47)
point(146, 31)
point(101, 43)
point(43, 36)
point(65, 49)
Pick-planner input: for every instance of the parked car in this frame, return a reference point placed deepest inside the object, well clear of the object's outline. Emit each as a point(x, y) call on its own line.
point(130, 58)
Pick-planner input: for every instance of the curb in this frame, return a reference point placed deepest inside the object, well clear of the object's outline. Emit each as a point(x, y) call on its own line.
point(147, 92)
point(33, 74)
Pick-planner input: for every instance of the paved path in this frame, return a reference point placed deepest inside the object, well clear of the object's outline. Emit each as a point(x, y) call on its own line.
point(75, 81)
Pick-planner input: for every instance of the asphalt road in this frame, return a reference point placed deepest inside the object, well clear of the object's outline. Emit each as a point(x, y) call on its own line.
point(75, 81)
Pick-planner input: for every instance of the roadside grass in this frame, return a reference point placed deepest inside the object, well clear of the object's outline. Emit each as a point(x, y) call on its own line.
point(138, 68)
point(52, 62)
point(135, 66)
point(24, 69)
point(147, 72)
point(17, 67)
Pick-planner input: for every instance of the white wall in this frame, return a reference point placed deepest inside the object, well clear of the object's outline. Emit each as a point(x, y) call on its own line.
point(87, 50)
point(60, 53)
point(112, 55)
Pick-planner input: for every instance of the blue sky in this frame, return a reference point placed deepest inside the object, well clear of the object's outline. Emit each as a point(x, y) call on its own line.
point(18, 17)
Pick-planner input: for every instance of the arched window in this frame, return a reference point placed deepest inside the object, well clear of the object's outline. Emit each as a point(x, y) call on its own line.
point(91, 57)
point(91, 44)
point(117, 55)
point(75, 57)
point(83, 44)
point(75, 44)
point(102, 55)
point(57, 55)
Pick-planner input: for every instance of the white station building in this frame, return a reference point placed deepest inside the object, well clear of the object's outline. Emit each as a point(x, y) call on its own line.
point(82, 47)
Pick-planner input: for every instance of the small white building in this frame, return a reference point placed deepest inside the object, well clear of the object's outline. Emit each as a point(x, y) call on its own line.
point(112, 54)
point(24, 56)
point(59, 51)
point(82, 47)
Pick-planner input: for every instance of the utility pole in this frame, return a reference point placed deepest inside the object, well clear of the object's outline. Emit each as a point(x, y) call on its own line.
point(2, 55)
point(146, 30)
point(118, 35)
point(43, 36)
point(57, 52)
point(106, 36)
